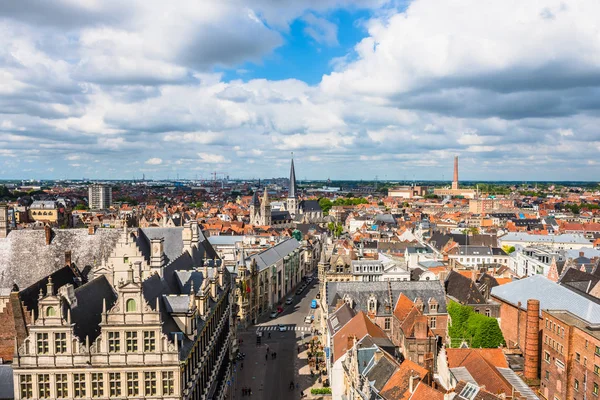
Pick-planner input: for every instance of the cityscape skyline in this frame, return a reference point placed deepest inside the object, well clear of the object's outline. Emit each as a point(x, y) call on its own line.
point(347, 85)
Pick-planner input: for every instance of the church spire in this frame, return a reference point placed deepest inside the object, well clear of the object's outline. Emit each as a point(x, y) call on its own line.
point(292, 191)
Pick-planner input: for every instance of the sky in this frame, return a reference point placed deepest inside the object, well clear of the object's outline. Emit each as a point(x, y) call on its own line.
point(356, 89)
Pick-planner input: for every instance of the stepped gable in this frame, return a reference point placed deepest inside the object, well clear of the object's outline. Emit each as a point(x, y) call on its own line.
point(25, 258)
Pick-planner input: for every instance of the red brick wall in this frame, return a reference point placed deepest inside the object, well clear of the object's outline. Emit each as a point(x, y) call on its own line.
point(555, 344)
point(13, 320)
point(513, 325)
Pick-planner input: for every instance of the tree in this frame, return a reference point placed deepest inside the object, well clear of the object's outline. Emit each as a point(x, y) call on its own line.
point(325, 204)
point(335, 228)
point(81, 207)
point(508, 249)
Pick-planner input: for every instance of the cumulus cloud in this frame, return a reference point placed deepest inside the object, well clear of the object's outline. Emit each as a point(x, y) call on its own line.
point(104, 79)
point(154, 161)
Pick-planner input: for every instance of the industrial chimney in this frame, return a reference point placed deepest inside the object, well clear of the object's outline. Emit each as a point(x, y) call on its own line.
point(532, 340)
point(455, 179)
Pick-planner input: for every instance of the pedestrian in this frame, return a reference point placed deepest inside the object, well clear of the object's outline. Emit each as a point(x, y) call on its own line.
point(266, 356)
point(269, 335)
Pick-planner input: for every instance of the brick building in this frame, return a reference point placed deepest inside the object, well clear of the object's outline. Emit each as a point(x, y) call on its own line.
point(570, 366)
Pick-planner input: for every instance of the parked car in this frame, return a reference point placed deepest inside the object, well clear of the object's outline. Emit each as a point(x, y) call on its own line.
point(279, 309)
point(289, 301)
point(313, 304)
point(274, 314)
point(299, 291)
point(308, 319)
point(281, 327)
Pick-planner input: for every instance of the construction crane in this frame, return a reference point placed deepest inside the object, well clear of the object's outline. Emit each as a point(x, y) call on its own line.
point(215, 175)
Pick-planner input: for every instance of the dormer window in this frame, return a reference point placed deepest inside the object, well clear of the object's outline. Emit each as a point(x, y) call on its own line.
point(372, 304)
point(50, 312)
point(131, 306)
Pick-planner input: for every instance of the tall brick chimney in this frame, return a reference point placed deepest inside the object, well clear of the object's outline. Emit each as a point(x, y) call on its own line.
point(532, 340)
point(455, 179)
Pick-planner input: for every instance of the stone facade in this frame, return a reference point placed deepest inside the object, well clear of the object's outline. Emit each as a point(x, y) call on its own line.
point(147, 324)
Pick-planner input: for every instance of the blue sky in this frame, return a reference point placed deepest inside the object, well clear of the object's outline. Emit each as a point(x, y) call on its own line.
point(355, 88)
point(301, 57)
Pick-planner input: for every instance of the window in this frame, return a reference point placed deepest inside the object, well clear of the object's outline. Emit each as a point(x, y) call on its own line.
point(577, 357)
point(26, 386)
point(42, 343)
point(131, 341)
point(131, 305)
point(488, 312)
point(469, 391)
point(132, 384)
point(114, 382)
point(576, 385)
point(62, 390)
point(60, 343)
point(547, 357)
point(44, 386)
point(150, 383)
point(547, 375)
point(168, 383)
point(79, 385)
point(114, 342)
point(387, 323)
point(433, 307)
point(595, 389)
point(596, 369)
point(432, 322)
point(50, 312)
point(597, 350)
point(97, 384)
point(125, 260)
point(149, 341)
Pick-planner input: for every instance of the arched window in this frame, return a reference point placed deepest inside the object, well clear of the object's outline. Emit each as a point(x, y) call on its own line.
point(50, 312)
point(131, 305)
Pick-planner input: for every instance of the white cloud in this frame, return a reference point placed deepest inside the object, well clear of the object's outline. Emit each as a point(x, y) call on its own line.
point(212, 158)
point(320, 29)
point(154, 161)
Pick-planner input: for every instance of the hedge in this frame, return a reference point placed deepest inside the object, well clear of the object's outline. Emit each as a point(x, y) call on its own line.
point(320, 390)
point(479, 330)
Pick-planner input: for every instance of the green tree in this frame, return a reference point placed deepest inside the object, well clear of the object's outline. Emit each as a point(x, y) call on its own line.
point(508, 249)
point(81, 207)
point(325, 204)
point(335, 228)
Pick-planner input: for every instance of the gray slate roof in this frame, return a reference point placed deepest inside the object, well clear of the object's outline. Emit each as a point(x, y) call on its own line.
point(360, 292)
point(25, 258)
point(551, 296)
point(463, 374)
point(268, 257)
point(6, 382)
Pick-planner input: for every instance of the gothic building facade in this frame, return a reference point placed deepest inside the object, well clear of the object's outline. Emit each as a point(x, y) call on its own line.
point(153, 320)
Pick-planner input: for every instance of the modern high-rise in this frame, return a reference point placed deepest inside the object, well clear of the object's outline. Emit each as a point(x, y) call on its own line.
point(100, 197)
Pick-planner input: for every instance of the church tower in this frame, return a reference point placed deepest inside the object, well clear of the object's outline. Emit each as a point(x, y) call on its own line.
point(254, 210)
point(265, 209)
point(292, 199)
point(4, 223)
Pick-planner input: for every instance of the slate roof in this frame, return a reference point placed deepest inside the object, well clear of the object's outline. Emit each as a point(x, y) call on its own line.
point(309, 205)
point(551, 295)
point(388, 292)
point(7, 390)
point(30, 296)
point(87, 315)
point(280, 216)
point(526, 237)
point(25, 258)
point(293, 186)
point(578, 280)
point(268, 257)
point(339, 318)
point(380, 373)
point(463, 289)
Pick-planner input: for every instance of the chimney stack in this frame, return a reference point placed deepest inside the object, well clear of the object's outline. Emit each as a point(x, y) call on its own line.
point(532, 330)
point(378, 355)
point(413, 381)
point(48, 234)
point(91, 230)
point(455, 179)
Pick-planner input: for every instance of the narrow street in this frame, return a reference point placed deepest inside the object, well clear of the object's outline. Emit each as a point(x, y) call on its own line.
point(270, 378)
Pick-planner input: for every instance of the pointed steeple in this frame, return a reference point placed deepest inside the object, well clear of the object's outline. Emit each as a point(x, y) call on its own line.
point(292, 191)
